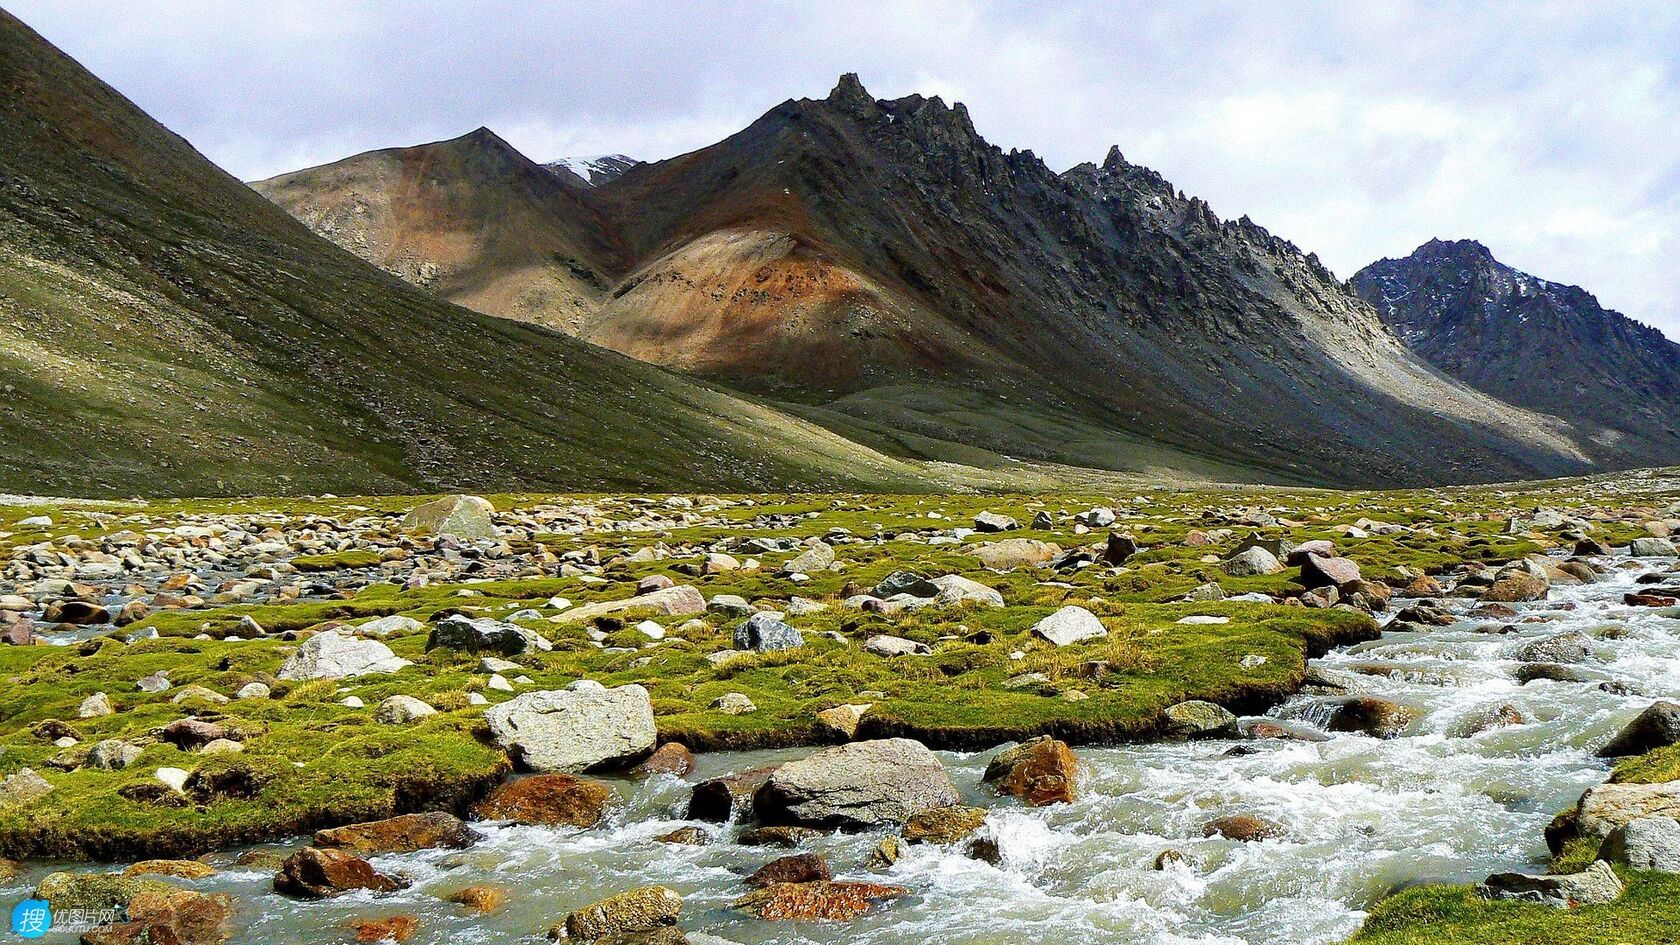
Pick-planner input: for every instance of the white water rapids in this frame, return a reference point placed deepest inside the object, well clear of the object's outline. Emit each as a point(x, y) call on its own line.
point(1363, 817)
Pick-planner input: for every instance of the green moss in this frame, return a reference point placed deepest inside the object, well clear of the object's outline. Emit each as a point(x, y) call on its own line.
point(337, 560)
point(1454, 915)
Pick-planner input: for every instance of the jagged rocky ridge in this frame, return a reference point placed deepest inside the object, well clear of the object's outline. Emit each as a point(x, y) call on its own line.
point(881, 261)
point(1534, 343)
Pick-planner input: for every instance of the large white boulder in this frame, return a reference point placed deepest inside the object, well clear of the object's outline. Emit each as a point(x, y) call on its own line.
point(577, 729)
point(331, 655)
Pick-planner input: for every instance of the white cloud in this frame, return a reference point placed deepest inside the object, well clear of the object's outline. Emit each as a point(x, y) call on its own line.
point(1548, 130)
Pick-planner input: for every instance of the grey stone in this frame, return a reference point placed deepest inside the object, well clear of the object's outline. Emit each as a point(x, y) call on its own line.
point(863, 784)
point(457, 632)
point(464, 516)
point(766, 631)
point(1651, 548)
point(1656, 727)
point(818, 556)
point(1198, 719)
point(1069, 625)
point(1649, 843)
point(1252, 561)
point(994, 522)
point(331, 655)
point(887, 645)
point(1595, 885)
point(906, 582)
point(401, 710)
point(575, 730)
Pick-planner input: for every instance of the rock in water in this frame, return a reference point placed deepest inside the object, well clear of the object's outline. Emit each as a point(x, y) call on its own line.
point(575, 729)
point(717, 799)
point(1069, 625)
point(313, 873)
point(1649, 843)
point(637, 912)
point(793, 868)
point(402, 834)
point(860, 785)
point(331, 655)
point(944, 824)
point(1378, 718)
point(1595, 885)
point(464, 516)
point(1198, 719)
point(1039, 772)
point(550, 800)
point(1652, 548)
point(831, 901)
point(1656, 727)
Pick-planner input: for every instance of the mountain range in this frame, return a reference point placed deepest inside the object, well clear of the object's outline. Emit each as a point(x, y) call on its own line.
point(849, 293)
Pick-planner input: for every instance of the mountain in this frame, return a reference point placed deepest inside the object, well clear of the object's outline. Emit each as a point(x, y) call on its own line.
point(882, 266)
point(1538, 344)
point(166, 330)
point(593, 171)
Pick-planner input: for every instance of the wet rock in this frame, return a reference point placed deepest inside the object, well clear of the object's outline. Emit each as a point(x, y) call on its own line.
point(1516, 586)
point(313, 873)
point(889, 851)
point(1591, 547)
point(165, 915)
point(765, 632)
point(9, 870)
point(1595, 885)
point(331, 655)
point(831, 901)
point(484, 635)
point(1244, 828)
point(943, 824)
point(1069, 625)
point(777, 836)
point(1554, 672)
point(405, 833)
point(575, 729)
point(1656, 727)
point(1038, 772)
point(1571, 647)
point(1198, 719)
point(642, 910)
point(793, 868)
point(548, 800)
point(1379, 718)
point(80, 613)
point(393, 928)
point(862, 784)
point(1648, 843)
point(1167, 859)
point(715, 799)
point(179, 869)
point(1423, 586)
point(1488, 719)
point(670, 758)
point(685, 836)
point(464, 516)
point(482, 899)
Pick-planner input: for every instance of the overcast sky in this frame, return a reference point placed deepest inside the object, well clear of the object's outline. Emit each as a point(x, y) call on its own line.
point(1549, 131)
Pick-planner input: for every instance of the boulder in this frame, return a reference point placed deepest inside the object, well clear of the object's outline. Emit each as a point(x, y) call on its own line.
point(1318, 571)
point(843, 720)
point(734, 703)
point(888, 645)
point(780, 836)
point(817, 556)
point(1318, 547)
point(1652, 547)
point(464, 516)
point(1244, 828)
point(994, 522)
point(1012, 553)
point(765, 632)
point(1571, 647)
point(391, 928)
point(1607, 806)
point(112, 754)
point(1038, 772)
point(639, 911)
point(1379, 718)
point(159, 913)
point(1595, 885)
point(484, 635)
point(717, 799)
point(956, 589)
point(484, 899)
point(550, 800)
point(905, 582)
point(793, 868)
point(192, 734)
point(179, 869)
point(943, 825)
point(1069, 625)
point(1251, 561)
point(830, 901)
point(402, 834)
point(682, 600)
point(1119, 549)
point(574, 730)
point(95, 706)
point(386, 626)
point(1648, 843)
point(862, 784)
point(401, 710)
point(332, 655)
point(314, 873)
point(670, 758)
point(1656, 727)
point(1516, 586)
point(1198, 719)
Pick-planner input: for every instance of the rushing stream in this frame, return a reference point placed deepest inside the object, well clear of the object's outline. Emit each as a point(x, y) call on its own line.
point(1363, 816)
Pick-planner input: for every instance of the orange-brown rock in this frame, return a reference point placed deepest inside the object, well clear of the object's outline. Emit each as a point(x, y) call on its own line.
point(395, 928)
point(403, 834)
point(313, 873)
point(553, 800)
point(670, 758)
point(1243, 827)
point(717, 798)
point(479, 898)
point(1039, 772)
point(165, 915)
point(794, 868)
point(834, 901)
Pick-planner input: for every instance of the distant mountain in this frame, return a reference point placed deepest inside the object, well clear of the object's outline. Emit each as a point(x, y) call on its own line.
point(1538, 344)
point(164, 330)
point(882, 265)
point(594, 171)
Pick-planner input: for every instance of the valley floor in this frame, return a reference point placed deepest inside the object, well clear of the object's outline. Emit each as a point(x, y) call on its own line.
point(195, 676)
